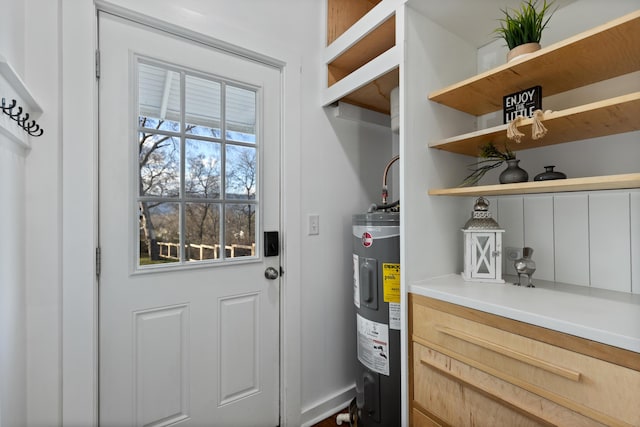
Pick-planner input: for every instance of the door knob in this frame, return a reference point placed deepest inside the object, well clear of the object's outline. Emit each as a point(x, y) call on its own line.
point(271, 273)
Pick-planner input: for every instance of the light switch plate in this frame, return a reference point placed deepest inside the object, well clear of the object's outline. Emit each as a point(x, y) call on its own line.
point(314, 225)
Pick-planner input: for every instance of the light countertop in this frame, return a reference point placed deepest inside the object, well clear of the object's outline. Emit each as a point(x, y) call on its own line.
point(608, 317)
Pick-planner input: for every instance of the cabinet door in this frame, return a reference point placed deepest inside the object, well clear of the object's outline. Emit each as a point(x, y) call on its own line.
point(595, 388)
point(462, 395)
point(420, 419)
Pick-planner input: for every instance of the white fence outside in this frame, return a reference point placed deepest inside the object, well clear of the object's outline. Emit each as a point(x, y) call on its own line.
point(167, 251)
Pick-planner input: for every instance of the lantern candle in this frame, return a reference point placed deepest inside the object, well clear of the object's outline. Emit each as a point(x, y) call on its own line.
point(482, 246)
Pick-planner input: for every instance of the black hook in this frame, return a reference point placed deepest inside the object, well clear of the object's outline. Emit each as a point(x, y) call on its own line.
point(32, 128)
point(33, 134)
point(16, 116)
point(13, 104)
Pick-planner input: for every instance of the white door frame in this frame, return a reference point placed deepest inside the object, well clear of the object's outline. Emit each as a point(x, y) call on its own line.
point(80, 204)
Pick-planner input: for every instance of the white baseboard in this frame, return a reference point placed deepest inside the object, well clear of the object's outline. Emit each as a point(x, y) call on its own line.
point(325, 408)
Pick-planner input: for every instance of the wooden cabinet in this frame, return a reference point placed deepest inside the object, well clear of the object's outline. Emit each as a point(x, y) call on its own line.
point(607, 51)
point(470, 368)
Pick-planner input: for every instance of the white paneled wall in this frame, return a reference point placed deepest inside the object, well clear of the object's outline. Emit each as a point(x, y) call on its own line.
point(589, 239)
point(571, 227)
point(610, 241)
point(509, 212)
point(635, 242)
point(538, 230)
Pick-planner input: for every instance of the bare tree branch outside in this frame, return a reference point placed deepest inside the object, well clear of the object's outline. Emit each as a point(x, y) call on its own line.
point(169, 190)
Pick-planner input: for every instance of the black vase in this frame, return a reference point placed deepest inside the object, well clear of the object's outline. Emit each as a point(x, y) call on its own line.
point(513, 173)
point(548, 174)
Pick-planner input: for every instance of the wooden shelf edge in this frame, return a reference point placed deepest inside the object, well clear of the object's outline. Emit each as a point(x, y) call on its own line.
point(469, 143)
point(592, 183)
point(378, 67)
point(368, 23)
point(520, 67)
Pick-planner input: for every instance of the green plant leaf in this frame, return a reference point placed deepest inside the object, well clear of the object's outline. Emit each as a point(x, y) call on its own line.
point(524, 25)
point(493, 158)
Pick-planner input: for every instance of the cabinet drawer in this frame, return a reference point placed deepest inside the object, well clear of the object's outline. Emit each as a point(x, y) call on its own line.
point(462, 395)
point(592, 387)
point(420, 419)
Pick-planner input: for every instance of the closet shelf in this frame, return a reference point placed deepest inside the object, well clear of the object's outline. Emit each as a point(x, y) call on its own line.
point(592, 183)
point(602, 118)
point(362, 58)
point(604, 52)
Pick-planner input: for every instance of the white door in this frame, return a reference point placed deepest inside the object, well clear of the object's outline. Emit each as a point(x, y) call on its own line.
point(189, 180)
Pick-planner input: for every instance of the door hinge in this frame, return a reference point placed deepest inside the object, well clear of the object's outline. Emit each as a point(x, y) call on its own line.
point(98, 262)
point(97, 63)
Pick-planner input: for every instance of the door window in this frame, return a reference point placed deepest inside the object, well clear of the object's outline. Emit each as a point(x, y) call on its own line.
point(198, 152)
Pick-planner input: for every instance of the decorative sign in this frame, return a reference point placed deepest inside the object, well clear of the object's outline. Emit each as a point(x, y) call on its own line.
point(522, 103)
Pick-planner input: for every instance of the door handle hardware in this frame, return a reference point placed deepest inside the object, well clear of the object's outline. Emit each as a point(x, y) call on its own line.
point(569, 374)
point(271, 273)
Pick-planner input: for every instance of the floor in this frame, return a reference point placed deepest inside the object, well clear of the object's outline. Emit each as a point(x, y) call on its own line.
point(331, 421)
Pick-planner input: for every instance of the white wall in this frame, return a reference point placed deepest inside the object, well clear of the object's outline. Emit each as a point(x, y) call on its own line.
point(13, 329)
point(12, 286)
point(431, 224)
point(43, 217)
point(340, 167)
point(29, 224)
point(343, 163)
point(12, 43)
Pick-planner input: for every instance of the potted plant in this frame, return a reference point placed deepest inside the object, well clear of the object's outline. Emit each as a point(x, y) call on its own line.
point(522, 29)
point(493, 158)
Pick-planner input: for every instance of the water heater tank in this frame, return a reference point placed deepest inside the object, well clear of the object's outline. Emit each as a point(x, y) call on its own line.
point(376, 285)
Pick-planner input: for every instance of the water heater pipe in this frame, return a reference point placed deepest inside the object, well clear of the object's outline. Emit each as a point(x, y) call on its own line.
point(385, 193)
point(341, 418)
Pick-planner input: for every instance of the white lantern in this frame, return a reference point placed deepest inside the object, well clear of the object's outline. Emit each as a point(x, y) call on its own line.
point(482, 246)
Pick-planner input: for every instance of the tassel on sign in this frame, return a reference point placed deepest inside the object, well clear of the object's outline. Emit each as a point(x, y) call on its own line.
point(537, 128)
point(512, 130)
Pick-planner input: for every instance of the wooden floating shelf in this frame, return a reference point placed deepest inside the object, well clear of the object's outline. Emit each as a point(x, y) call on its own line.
point(608, 182)
point(361, 32)
point(604, 52)
point(376, 95)
point(609, 117)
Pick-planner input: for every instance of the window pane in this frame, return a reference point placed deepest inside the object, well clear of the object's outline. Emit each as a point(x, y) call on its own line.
point(159, 165)
point(240, 114)
point(158, 98)
point(202, 107)
point(159, 237)
point(202, 169)
point(240, 177)
point(240, 230)
point(203, 231)
point(197, 152)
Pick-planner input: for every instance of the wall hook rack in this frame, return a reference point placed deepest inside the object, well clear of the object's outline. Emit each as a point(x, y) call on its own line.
point(32, 128)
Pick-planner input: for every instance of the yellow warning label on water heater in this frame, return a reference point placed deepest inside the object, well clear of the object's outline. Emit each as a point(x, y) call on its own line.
point(391, 282)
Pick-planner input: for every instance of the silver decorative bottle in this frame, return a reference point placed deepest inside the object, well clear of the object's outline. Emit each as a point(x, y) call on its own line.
point(525, 266)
